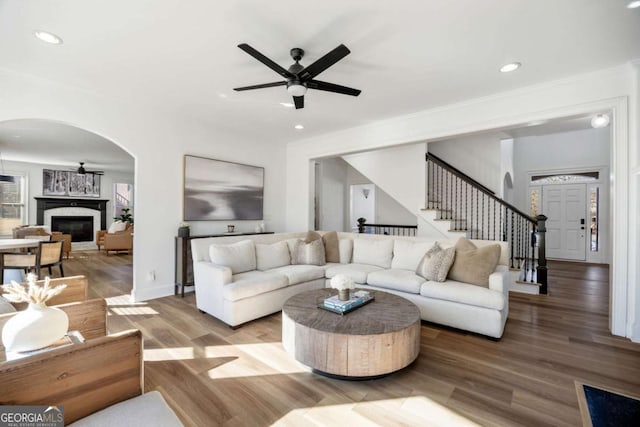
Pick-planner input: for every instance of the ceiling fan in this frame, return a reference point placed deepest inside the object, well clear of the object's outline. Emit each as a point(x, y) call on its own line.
point(82, 171)
point(300, 78)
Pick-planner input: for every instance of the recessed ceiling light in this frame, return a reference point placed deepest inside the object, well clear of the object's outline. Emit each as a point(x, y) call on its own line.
point(633, 5)
point(287, 104)
point(600, 121)
point(299, 127)
point(507, 68)
point(48, 37)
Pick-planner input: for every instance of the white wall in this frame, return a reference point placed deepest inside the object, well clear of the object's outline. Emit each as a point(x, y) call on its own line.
point(613, 89)
point(336, 178)
point(158, 142)
point(33, 173)
point(407, 184)
point(333, 195)
point(476, 155)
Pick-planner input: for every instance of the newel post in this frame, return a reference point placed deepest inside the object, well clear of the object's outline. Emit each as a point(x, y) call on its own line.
point(361, 222)
point(542, 255)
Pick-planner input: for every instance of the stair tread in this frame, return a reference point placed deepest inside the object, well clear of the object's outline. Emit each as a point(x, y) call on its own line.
point(449, 219)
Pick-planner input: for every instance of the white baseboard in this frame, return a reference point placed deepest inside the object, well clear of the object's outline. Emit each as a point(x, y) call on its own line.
point(152, 292)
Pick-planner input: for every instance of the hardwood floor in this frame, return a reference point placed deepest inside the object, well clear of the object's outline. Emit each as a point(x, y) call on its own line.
point(213, 375)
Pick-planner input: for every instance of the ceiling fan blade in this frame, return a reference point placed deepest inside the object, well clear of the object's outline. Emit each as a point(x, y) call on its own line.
point(266, 61)
point(332, 87)
point(282, 83)
point(298, 101)
point(323, 63)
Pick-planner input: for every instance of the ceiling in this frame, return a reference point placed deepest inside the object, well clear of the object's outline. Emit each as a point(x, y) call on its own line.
point(406, 56)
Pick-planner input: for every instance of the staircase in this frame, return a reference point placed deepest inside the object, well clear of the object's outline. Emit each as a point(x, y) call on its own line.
point(460, 206)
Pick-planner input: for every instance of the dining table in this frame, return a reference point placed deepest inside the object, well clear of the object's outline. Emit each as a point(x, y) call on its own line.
point(11, 245)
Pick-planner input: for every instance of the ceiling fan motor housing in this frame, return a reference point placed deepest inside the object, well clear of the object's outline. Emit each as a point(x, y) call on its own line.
point(297, 53)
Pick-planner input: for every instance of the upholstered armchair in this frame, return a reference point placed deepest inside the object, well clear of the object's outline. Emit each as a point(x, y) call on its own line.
point(117, 241)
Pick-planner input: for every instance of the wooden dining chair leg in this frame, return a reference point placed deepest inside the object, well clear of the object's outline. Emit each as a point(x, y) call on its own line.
point(61, 271)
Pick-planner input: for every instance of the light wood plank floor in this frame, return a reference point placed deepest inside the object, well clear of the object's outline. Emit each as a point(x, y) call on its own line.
point(212, 375)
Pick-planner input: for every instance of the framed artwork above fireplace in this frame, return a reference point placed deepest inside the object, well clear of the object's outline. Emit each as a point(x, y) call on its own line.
point(70, 184)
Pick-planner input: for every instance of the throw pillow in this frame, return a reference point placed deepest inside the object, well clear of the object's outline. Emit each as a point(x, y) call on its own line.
point(346, 250)
point(472, 264)
point(239, 257)
point(308, 253)
point(373, 252)
point(272, 256)
point(436, 263)
point(407, 254)
point(331, 246)
point(117, 226)
point(311, 236)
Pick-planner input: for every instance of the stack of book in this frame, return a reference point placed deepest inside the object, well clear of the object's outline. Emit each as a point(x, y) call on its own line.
point(357, 299)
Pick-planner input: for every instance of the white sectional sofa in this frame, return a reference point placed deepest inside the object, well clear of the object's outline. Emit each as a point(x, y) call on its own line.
point(242, 278)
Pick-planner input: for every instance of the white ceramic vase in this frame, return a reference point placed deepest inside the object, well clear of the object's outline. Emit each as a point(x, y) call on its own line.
point(36, 327)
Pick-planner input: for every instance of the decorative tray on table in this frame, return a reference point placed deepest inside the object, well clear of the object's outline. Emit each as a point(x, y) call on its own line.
point(337, 306)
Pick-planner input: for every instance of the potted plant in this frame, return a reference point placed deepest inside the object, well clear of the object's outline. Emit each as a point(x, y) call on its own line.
point(125, 216)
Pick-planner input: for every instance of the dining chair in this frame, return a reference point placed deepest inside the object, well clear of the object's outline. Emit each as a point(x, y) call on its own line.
point(43, 238)
point(48, 254)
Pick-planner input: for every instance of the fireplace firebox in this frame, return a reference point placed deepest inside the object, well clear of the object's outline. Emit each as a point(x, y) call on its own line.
point(80, 227)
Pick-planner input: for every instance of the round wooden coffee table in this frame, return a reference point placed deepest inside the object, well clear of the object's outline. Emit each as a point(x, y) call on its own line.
point(373, 340)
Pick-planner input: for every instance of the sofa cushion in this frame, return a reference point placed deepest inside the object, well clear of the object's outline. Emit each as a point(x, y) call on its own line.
point(400, 280)
point(436, 263)
point(148, 409)
point(331, 246)
point(474, 265)
point(239, 257)
point(300, 273)
point(251, 283)
point(272, 256)
point(407, 254)
point(357, 272)
point(311, 253)
point(463, 293)
point(346, 250)
point(373, 252)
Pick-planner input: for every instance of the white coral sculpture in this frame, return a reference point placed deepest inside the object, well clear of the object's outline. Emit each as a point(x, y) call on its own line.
point(32, 293)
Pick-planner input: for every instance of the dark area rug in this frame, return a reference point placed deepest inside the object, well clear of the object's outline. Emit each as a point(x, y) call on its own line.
point(611, 409)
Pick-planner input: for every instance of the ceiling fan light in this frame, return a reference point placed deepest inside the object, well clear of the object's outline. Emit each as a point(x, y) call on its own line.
point(296, 89)
point(600, 121)
point(633, 5)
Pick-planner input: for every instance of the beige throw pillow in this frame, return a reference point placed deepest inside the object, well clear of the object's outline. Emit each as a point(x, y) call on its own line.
point(308, 253)
point(331, 246)
point(474, 265)
point(436, 263)
point(311, 236)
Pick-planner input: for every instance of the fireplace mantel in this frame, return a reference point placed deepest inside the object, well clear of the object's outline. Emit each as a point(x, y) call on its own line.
point(46, 203)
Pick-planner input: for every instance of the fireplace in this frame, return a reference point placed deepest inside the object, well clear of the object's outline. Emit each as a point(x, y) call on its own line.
point(80, 227)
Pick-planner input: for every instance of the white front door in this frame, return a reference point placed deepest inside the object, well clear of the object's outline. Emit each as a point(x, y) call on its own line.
point(566, 210)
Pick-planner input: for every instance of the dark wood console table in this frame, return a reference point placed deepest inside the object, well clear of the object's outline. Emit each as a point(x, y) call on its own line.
point(184, 261)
